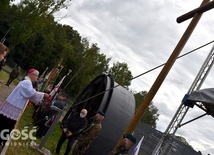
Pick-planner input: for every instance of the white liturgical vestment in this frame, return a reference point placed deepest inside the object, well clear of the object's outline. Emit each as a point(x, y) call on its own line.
point(15, 103)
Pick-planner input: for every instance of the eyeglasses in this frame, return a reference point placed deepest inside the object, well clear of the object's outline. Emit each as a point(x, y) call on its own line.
point(36, 75)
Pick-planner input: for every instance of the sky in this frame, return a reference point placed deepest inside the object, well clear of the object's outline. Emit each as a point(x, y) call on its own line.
point(143, 34)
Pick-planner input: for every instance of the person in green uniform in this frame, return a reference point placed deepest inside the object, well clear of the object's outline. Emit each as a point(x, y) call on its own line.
point(13, 75)
point(89, 134)
point(128, 141)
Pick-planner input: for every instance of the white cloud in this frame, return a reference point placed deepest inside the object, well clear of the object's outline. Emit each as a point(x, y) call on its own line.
point(143, 34)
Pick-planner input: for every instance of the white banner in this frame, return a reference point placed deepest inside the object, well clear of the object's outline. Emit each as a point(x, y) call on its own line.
point(137, 148)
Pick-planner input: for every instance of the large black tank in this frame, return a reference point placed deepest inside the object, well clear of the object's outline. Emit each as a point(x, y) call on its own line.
point(118, 104)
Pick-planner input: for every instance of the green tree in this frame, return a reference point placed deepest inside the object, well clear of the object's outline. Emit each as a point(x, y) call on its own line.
point(36, 40)
point(40, 50)
point(182, 139)
point(4, 4)
point(29, 17)
point(121, 73)
point(88, 64)
point(151, 115)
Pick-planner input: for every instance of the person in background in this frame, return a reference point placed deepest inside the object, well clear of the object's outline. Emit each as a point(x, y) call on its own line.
point(2, 63)
point(13, 75)
point(128, 141)
point(89, 134)
point(3, 51)
point(35, 86)
point(50, 113)
point(70, 130)
point(12, 109)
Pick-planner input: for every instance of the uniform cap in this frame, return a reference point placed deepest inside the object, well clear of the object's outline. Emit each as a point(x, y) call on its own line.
point(130, 137)
point(101, 113)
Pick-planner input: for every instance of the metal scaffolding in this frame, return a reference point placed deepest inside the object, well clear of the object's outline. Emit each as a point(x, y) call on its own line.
point(175, 123)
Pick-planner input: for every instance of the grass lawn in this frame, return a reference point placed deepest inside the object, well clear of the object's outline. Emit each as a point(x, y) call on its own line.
point(24, 150)
point(3, 75)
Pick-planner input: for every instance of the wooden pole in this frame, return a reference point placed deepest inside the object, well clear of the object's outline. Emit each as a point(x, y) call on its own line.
point(148, 99)
point(200, 9)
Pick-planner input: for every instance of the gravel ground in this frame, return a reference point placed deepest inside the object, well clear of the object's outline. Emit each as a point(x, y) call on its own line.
point(5, 90)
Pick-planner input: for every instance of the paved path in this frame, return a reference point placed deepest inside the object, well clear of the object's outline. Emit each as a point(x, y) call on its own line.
point(5, 90)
